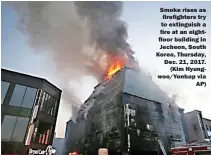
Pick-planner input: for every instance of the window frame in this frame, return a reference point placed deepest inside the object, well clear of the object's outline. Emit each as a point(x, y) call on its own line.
point(23, 96)
point(2, 99)
point(30, 96)
point(21, 101)
point(48, 104)
point(25, 132)
point(14, 127)
point(42, 102)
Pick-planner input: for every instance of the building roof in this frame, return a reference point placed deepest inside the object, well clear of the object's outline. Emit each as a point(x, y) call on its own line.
point(207, 119)
point(141, 85)
point(27, 75)
point(193, 111)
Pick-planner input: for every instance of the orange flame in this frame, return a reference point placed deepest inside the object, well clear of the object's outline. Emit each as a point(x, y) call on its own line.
point(116, 64)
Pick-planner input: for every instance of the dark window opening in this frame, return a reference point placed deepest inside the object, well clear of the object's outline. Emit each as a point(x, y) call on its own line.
point(43, 133)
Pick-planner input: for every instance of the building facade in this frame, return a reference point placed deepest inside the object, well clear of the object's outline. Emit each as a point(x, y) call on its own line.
point(29, 112)
point(58, 145)
point(207, 126)
point(198, 127)
point(127, 113)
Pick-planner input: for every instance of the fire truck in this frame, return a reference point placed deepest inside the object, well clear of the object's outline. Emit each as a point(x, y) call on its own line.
point(193, 149)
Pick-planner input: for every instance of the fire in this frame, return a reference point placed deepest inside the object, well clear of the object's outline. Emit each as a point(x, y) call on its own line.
point(115, 64)
point(74, 153)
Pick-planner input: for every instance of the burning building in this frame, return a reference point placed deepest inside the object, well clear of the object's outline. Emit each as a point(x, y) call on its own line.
point(127, 112)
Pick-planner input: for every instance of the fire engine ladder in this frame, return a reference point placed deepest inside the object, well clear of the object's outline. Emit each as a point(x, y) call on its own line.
point(162, 147)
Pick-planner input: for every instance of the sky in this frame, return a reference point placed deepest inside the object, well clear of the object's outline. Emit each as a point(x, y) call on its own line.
point(143, 20)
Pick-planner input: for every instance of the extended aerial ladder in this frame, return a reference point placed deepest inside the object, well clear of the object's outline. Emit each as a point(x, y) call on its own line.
point(162, 147)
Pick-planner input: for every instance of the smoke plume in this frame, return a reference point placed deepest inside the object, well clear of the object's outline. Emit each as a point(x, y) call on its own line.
point(78, 36)
point(106, 30)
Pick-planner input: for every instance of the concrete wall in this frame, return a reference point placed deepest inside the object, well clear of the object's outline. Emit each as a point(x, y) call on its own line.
point(194, 126)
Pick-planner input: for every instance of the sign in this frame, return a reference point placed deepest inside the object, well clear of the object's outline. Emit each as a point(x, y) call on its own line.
point(48, 151)
point(131, 112)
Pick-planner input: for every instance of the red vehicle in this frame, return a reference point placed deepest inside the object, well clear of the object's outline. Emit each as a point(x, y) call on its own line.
point(192, 150)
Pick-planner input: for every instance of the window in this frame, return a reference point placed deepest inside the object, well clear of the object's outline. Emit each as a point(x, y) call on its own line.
point(4, 88)
point(43, 133)
point(7, 127)
point(14, 128)
point(23, 96)
point(20, 129)
point(51, 106)
point(29, 97)
point(48, 104)
point(55, 107)
point(17, 96)
point(42, 102)
point(45, 102)
point(207, 127)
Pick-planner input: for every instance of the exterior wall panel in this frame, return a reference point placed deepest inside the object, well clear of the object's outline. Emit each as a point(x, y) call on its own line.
point(198, 128)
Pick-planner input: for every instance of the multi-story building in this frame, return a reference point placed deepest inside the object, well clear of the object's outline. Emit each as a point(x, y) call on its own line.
point(198, 128)
point(128, 112)
point(29, 112)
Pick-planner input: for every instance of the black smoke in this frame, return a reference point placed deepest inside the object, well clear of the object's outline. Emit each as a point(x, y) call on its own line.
point(106, 28)
point(78, 37)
